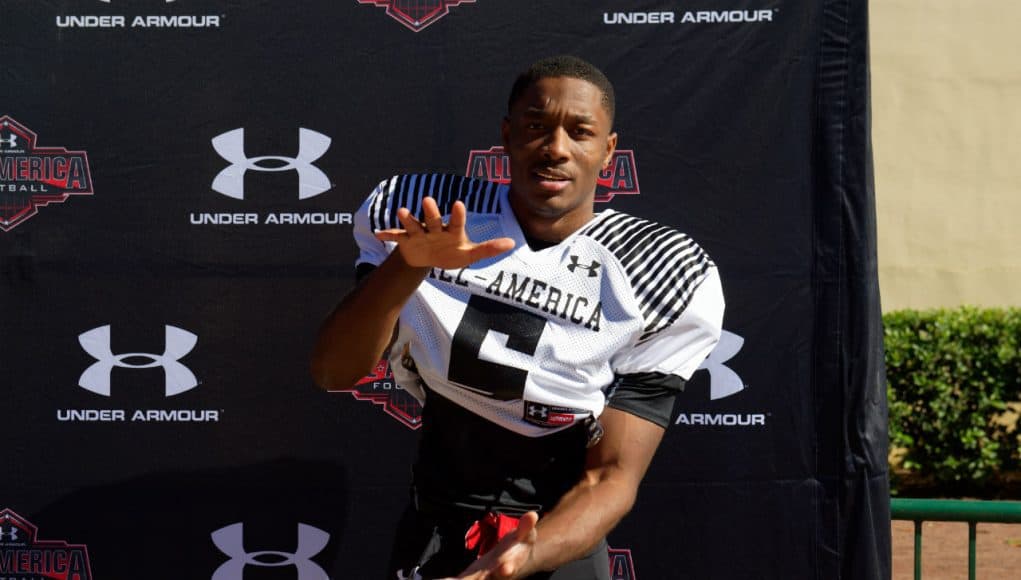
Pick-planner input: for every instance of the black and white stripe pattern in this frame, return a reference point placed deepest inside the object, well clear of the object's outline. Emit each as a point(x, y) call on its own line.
point(664, 266)
point(479, 196)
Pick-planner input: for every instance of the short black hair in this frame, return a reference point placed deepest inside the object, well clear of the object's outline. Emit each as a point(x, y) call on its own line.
point(564, 66)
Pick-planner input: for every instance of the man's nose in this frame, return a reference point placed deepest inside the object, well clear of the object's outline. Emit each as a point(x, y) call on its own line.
point(556, 144)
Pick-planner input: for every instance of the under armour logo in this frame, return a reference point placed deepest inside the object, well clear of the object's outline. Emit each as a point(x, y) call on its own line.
point(592, 268)
point(179, 343)
point(311, 180)
point(413, 575)
point(537, 411)
point(230, 541)
point(10, 534)
point(11, 141)
point(723, 382)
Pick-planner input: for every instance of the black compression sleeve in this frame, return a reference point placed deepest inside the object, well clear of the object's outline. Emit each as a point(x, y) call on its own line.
point(648, 395)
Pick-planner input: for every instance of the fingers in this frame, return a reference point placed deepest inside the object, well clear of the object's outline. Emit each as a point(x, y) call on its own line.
point(490, 248)
point(432, 220)
point(526, 525)
point(530, 519)
point(431, 215)
point(390, 235)
point(431, 243)
point(523, 538)
point(411, 225)
point(458, 216)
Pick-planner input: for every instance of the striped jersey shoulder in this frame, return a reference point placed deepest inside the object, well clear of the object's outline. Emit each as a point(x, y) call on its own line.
point(663, 266)
point(399, 191)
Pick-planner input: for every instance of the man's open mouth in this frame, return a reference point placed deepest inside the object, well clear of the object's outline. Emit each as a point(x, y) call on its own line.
point(550, 175)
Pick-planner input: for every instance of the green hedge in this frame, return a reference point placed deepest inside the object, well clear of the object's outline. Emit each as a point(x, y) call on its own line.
point(950, 376)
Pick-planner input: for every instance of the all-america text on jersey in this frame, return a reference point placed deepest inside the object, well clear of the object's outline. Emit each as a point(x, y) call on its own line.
point(532, 292)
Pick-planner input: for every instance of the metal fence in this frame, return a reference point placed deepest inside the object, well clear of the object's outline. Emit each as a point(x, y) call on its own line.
point(953, 510)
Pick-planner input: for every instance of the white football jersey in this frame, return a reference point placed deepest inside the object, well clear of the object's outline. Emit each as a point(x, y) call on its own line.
point(531, 339)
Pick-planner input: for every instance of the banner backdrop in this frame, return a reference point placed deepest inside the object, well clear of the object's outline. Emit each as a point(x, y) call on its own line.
point(177, 182)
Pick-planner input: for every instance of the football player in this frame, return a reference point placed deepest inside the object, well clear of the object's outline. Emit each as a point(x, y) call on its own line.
point(546, 341)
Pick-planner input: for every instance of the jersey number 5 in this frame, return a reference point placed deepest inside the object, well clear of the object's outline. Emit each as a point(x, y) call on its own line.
point(490, 331)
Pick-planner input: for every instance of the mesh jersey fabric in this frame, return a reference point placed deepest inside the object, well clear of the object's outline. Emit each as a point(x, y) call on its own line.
point(530, 340)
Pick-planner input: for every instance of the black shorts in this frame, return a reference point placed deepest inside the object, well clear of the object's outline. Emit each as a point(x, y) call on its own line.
point(434, 548)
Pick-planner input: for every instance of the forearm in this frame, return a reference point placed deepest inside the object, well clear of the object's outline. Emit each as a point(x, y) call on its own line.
point(583, 517)
point(360, 327)
point(602, 497)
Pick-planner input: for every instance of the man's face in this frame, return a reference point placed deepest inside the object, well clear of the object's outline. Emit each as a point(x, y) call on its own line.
point(558, 138)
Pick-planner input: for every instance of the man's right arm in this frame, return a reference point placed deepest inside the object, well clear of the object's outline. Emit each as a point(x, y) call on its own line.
point(360, 328)
point(355, 334)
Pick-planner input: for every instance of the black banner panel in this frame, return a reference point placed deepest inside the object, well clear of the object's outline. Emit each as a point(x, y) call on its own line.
point(177, 185)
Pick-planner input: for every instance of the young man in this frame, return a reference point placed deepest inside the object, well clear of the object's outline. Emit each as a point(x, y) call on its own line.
point(546, 342)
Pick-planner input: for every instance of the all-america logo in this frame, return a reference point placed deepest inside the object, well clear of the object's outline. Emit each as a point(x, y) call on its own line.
point(24, 557)
point(416, 14)
point(32, 176)
point(381, 389)
point(619, 178)
point(621, 565)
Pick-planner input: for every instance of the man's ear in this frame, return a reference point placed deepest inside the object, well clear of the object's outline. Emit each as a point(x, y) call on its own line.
point(611, 147)
point(505, 132)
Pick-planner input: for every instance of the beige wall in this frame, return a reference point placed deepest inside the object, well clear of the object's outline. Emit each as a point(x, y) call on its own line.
point(946, 129)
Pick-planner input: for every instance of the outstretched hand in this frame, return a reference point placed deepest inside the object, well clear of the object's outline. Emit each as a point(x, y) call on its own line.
point(431, 243)
point(509, 559)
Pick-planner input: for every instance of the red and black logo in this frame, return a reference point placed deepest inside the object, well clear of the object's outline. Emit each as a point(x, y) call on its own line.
point(621, 565)
point(381, 389)
point(551, 416)
point(619, 178)
point(416, 14)
point(24, 557)
point(32, 176)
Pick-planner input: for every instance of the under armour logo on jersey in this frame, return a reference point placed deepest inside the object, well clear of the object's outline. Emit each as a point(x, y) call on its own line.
point(551, 416)
point(591, 268)
point(311, 180)
point(230, 540)
point(11, 141)
point(723, 382)
point(537, 411)
point(178, 378)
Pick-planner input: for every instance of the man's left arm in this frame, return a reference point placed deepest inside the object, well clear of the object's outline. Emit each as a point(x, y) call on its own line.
point(585, 514)
point(615, 467)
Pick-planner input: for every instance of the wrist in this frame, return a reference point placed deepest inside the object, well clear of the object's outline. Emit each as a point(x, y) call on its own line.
point(400, 262)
